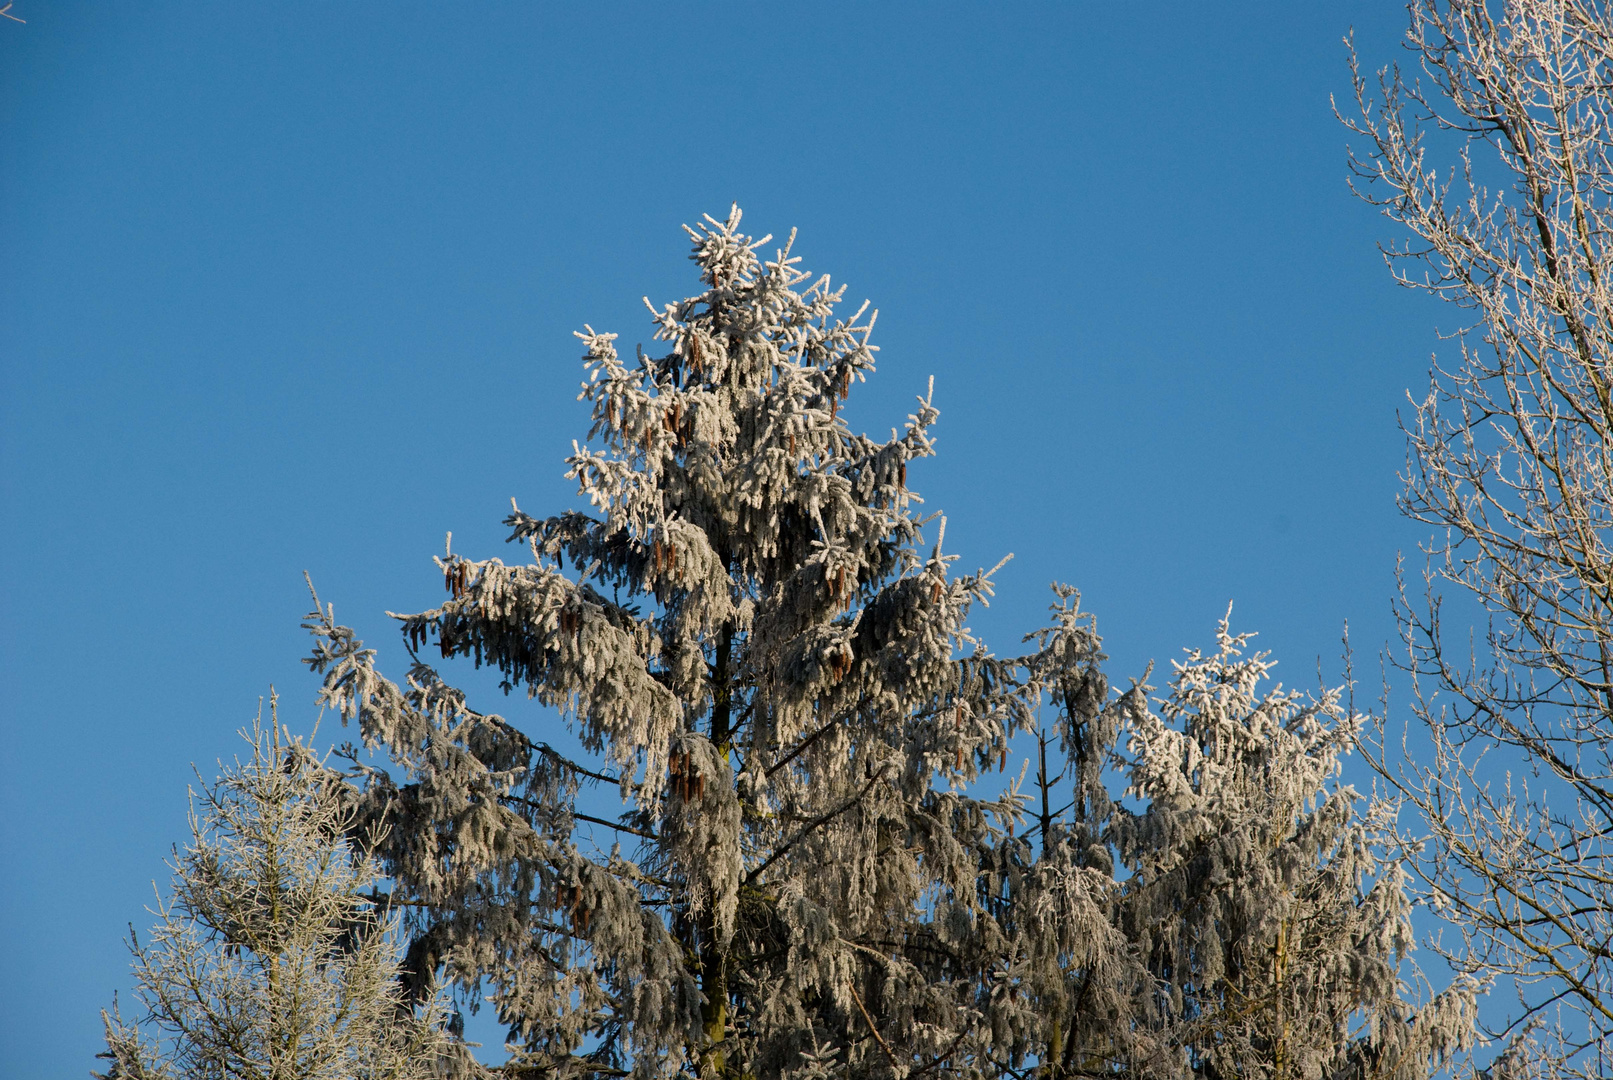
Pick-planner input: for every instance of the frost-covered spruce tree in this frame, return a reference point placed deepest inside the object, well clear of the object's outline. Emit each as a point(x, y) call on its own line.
point(271, 959)
point(1238, 915)
point(1262, 900)
point(771, 667)
point(1073, 973)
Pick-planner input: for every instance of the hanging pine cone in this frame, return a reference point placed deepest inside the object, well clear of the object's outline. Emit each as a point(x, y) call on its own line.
point(576, 910)
point(686, 779)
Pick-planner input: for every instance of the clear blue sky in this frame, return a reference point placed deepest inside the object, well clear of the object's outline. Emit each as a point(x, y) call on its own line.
point(292, 286)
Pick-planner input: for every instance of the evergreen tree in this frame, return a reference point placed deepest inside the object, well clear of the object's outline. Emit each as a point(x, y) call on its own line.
point(1259, 921)
point(774, 672)
point(271, 961)
point(772, 669)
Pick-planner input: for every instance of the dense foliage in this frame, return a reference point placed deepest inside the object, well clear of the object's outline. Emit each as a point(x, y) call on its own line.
point(771, 667)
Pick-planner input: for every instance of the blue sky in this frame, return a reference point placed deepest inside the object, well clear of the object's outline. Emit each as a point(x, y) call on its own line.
point(291, 287)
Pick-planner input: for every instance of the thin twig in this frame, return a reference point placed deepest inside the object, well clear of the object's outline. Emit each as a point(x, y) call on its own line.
point(880, 1039)
point(580, 816)
point(612, 825)
point(800, 746)
point(814, 823)
point(944, 1057)
point(554, 755)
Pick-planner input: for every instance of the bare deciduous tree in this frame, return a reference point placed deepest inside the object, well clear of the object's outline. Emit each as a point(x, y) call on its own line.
point(1496, 159)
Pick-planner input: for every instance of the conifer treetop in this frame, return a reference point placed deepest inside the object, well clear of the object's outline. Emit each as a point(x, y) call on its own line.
point(747, 631)
point(271, 959)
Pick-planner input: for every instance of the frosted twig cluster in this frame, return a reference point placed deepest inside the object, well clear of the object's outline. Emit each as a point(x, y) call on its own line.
point(1496, 160)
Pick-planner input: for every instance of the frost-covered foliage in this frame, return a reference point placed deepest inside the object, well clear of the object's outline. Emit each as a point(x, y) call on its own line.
point(270, 959)
point(774, 672)
point(770, 668)
point(1258, 922)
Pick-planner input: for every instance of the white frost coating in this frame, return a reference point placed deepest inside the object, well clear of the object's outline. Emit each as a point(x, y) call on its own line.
point(771, 666)
point(766, 664)
point(1493, 155)
point(271, 958)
